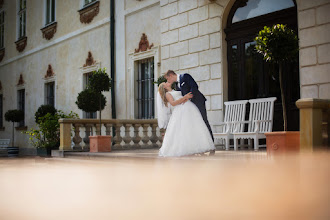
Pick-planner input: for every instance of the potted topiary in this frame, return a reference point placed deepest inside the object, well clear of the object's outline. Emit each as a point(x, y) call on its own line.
point(13, 116)
point(91, 100)
point(279, 44)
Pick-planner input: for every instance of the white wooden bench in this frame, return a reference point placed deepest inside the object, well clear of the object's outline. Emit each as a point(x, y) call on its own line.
point(234, 111)
point(4, 144)
point(260, 121)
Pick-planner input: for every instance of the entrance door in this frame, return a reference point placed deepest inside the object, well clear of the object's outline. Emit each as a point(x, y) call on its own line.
point(249, 76)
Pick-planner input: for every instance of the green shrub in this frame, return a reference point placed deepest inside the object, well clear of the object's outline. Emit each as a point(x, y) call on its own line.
point(43, 110)
point(47, 135)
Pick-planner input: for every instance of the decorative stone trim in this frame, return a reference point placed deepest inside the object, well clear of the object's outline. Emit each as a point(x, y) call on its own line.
point(21, 80)
point(90, 60)
point(1, 3)
point(144, 44)
point(50, 72)
point(2, 53)
point(21, 44)
point(49, 31)
point(89, 12)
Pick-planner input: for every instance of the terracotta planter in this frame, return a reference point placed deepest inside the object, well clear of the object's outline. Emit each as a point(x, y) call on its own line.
point(282, 142)
point(100, 143)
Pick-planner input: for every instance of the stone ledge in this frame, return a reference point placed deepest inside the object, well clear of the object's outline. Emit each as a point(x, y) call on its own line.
point(49, 31)
point(313, 103)
point(88, 13)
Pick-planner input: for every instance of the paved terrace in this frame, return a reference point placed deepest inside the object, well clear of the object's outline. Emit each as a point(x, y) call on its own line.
point(136, 184)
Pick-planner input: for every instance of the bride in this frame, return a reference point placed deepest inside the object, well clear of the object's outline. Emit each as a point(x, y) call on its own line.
point(186, 132)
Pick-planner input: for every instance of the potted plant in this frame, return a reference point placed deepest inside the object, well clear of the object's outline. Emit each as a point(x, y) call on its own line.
point(13, 116)
point(47, 135)
point(279, 44)
point(91, 100)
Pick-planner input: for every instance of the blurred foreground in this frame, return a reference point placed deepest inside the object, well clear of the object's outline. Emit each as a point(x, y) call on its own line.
point(201, 188)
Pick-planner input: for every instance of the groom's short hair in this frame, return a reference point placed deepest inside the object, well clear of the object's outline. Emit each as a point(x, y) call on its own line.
point(169, 73)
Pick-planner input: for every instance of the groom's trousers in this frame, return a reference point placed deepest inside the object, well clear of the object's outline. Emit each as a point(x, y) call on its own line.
point(202, 109)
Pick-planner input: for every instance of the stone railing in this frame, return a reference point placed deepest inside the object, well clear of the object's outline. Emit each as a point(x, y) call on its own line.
point(129, 134)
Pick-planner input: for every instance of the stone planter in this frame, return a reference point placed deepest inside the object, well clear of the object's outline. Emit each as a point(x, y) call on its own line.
point(44, 152)
point(12, 151)
point(282, 142)
point(100, 143)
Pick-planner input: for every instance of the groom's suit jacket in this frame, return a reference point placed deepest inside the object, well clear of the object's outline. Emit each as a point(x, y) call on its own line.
point(188, 84)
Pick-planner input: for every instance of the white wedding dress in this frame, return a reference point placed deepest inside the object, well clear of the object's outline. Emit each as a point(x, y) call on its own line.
point(186, 132)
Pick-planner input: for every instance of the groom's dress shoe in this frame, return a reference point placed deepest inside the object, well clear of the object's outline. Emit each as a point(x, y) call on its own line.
point(212, 152)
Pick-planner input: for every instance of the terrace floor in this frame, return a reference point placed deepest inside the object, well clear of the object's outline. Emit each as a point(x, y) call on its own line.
point(137, 184)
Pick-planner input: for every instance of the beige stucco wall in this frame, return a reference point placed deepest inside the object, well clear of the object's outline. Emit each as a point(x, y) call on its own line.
point(67, 18)
point(132, 19)
point(314, 41)
point(66, 52)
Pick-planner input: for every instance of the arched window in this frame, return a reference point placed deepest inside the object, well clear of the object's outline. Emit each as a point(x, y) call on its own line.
point(249, 76)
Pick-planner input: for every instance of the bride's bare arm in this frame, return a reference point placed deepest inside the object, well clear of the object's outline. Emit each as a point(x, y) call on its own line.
point(170, 99)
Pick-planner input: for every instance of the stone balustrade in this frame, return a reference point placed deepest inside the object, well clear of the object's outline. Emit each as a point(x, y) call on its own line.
point(129, 134)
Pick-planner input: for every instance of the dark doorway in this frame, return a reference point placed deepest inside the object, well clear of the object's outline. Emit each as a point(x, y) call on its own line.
point(249, 76)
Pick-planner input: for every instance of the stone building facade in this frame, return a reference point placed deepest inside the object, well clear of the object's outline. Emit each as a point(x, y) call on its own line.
point(187, 36)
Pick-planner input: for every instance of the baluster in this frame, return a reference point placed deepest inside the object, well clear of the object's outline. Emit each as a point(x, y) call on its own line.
point(145, 138)
point(108, 129)
point(118, 138)
point(127, 139)
point(162, 134)
point(97, 129)
point(154, 137)
point(88, 132)
point(77, 139)
point(136, 138)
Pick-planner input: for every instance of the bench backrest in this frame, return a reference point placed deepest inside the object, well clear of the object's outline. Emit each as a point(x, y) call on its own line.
point(261, 109)
point(4, 142)
point(235, 111)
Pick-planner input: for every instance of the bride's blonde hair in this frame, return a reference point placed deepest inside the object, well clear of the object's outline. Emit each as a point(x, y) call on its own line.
point(162, 91)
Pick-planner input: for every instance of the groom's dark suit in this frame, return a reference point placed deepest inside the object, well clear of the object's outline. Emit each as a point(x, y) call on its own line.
point(188, 84)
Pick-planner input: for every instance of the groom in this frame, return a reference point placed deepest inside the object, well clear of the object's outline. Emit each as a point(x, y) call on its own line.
point(185, 84)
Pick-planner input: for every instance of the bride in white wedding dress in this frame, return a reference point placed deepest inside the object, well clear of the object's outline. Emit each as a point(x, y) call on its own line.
point(186, 132)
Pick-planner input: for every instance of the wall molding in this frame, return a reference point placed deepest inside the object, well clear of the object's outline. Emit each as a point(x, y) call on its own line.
point(58, 40)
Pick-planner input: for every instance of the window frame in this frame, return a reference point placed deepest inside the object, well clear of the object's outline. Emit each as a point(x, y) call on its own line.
point(21, 104)
point(145, 103)
point(84, 5)
point(88, 115)
point(20, 12)
point(2, 30)
point(1, 111)
point(51, 11)
point(47, 95)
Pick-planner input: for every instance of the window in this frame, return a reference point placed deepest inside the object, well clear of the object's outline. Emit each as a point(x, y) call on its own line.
point(86, 2)
point(50, 93)
point(50, 11)
point(21, 104)
point(145, 89)
point(2, 29)
point(22, 19)
point(254, 8)
point(86, 82)
point(1, 111)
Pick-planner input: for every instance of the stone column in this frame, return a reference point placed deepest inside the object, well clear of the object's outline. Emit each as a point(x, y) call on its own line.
point(65, 136)
point(312, 112)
